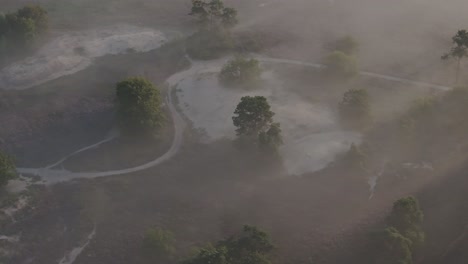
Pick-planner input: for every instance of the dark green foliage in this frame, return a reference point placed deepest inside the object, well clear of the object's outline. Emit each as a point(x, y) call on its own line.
point(355, 109)
point(214, 13)
point(159, 243)
point(348, 45)
point(7, 169)
point(241, 71)
point(252, 247)
point(395, 248)
point(338, 64)
point(407, 218)
point(139, 106)
point(270, 140)
point(209, 43)
point(19, 30)
point(252, 116)
point(459, 49)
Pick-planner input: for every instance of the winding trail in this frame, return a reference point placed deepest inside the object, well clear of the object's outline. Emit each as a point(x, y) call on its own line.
point(52, 176)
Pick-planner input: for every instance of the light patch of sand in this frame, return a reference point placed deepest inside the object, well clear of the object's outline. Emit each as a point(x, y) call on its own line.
point(72, 52)
point(311, 132)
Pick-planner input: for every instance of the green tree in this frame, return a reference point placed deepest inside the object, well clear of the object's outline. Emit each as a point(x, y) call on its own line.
point(270, 140)
point(38, 15)
point(407, 218)
point(139, 106)
point(214, 13)
point(348, 45)
point(241, 71)
point(252, 116)
point(355, 109)
point(159, 243)
point(459, 50)
point(395, 248)
point(338, 64)
point(7, 169)
point(252, 247)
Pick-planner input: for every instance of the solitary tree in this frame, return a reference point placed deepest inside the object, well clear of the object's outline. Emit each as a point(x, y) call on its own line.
point(348, 45)
point(407, 218)
point(395, 248)
point(254, 122)
point(214, 13)
point(339, 64)
point(7, 169)
point(355, 109)
point(139, 106)
point(459, 50)
point(241, 71)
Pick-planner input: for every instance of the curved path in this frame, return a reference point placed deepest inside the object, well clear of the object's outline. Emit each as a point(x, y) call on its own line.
point(52, 176)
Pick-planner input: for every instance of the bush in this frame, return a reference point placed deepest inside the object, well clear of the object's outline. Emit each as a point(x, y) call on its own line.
point(338, 64)
point(240, 71)
point(209, 43)
point(7, 169)
point(159, 243)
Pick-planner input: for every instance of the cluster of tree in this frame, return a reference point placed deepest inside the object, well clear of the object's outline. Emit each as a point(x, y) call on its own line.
point(254, 124)
point(341, 61)
point(459, 50)
point(241, 71)
point(19, 29)
point(252, 247)
point(159, 244)
point(403, 234)
point(355, 109)
point(214, 37)
point(7, 169)
point(139, 107)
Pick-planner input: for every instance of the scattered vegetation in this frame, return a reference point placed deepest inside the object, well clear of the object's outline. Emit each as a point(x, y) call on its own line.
point(159, 244)
point(253, 246)
point(7, 169)
point(254, 122)
point(241, 71)
point(339, 64)
point(214, 13)
point(355, 109)
point(20, 29)
point(139, 106)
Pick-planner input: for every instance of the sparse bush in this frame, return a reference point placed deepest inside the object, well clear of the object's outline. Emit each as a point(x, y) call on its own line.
point(338, 64)
point(159, 243)
point(7, 169)
point(209, 44)
point(355, 109)
point(240, 71)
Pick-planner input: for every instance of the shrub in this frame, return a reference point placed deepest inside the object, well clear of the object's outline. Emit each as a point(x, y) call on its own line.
point(240, 71)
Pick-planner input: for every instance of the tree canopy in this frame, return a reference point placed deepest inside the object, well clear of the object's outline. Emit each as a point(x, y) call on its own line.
point(252, 247)
point(241, 71)
point(396, 248)
point(214, 13)
point(459, 50)
point(7, 169)
point(339, 64)
point(355, 109)
point(407, 218)
point(139, 106)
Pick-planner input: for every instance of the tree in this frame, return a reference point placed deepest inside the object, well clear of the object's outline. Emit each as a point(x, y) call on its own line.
point(139, 106)
point(339, 64)
point(356, 159)
point(252, 247)
point(7, 169)
point(407, 218)
point(38, 15)
point(395, 248)
point(459, 50)
point(159, 243)
point(252, 116)
point(270, 140)
point(214, 13)
point(348, 45)
point(355, 109)
point(241, 71)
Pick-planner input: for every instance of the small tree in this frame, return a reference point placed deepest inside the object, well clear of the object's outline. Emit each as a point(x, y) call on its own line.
point(214, 13)
point(37, 14)
point(339, 64)
point(459, 50)
point(355, 109)
point(159, 243)
point(395, 248)
point(241, 71)
point(356, 159)
point(7, 169)
point(139, 106)
point(407, 218)
point(270, 140)
point(348, 45)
